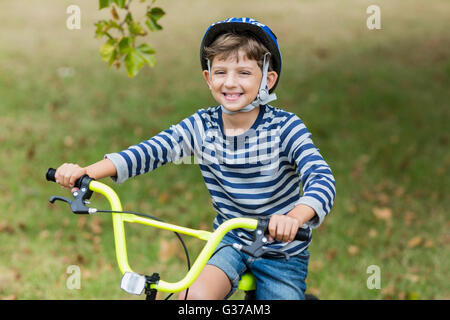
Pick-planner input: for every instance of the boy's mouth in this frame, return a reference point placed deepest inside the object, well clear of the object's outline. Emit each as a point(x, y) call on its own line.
point(231, 96)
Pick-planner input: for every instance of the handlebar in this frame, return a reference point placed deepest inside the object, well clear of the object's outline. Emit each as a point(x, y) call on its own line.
point(88, 185)
point(302, 234)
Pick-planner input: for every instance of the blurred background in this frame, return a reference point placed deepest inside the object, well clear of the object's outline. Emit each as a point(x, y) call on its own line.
point(377, 103)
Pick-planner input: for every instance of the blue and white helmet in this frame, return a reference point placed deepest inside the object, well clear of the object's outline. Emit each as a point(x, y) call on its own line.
point(239, 25)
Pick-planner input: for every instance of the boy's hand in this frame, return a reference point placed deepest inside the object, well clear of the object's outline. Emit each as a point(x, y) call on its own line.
point(67, 174)
point(283, 228)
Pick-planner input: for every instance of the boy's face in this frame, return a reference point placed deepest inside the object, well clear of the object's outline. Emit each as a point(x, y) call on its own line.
point(235, 82)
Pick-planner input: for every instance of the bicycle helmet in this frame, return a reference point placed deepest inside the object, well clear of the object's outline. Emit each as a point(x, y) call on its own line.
point(263, 34)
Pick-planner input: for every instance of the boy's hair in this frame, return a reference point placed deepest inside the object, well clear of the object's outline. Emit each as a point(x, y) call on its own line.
point(228, 44)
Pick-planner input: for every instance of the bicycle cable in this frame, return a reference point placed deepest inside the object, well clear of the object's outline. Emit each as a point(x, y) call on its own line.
point(176, 233)
point(224, 246)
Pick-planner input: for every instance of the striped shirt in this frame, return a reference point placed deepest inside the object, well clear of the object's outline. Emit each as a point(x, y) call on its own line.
point(257, 173)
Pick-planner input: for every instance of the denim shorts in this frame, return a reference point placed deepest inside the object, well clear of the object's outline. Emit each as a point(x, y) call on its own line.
point(276, 278)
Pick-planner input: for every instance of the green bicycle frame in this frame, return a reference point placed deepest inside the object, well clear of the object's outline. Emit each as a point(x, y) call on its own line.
point(212, 238)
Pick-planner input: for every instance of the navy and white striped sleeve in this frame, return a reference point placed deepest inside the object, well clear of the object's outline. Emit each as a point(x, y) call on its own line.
point(169, 145)
point(319, 189)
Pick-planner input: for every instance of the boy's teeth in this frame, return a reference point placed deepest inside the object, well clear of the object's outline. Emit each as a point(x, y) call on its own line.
point(232, 96)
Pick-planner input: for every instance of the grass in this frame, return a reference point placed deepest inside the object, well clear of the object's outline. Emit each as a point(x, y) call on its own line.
point(376, 102)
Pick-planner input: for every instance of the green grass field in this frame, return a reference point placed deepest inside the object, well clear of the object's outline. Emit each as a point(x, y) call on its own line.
point(376, 101)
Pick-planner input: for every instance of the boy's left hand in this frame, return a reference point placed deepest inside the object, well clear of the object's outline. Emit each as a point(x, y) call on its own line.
point(283, 228)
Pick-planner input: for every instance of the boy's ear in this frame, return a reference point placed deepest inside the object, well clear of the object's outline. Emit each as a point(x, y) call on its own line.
point(272, 77)
point(206, 76)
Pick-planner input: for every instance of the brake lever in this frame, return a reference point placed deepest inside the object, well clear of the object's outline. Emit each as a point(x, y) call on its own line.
point(54, 198)
point(78, 204)
point(256, 249)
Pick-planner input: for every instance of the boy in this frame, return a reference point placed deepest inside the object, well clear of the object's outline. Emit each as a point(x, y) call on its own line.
point(252, 156)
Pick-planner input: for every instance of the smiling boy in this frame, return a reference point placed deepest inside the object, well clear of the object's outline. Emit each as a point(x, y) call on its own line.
point(234, 84)
point(253, 158)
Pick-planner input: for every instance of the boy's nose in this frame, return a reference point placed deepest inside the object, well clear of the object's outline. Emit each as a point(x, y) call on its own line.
point(230, 80)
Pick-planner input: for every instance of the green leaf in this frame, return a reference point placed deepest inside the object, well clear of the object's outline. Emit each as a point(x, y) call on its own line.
point(128, 18)
point(124, 45)
point(157, 13)
point(107, 50)
point(147, 53)
point(100, 31)
point(153, 16)
point(120, 3)
point(152, 24)
point(113, 24)
point(136, 28)
point(133, 62)
point(114, 57)
point(104, 3)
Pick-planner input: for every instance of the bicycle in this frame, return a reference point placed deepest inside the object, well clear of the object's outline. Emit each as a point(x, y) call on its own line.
point(135, 283)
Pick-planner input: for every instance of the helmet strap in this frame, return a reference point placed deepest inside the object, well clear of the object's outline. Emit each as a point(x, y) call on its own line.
point(209, 69)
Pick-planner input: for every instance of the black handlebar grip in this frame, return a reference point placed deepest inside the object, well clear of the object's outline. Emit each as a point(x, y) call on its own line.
point(50, 175)
point(302, 235)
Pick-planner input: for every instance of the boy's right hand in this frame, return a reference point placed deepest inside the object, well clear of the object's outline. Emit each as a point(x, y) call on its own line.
point(67, 174)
